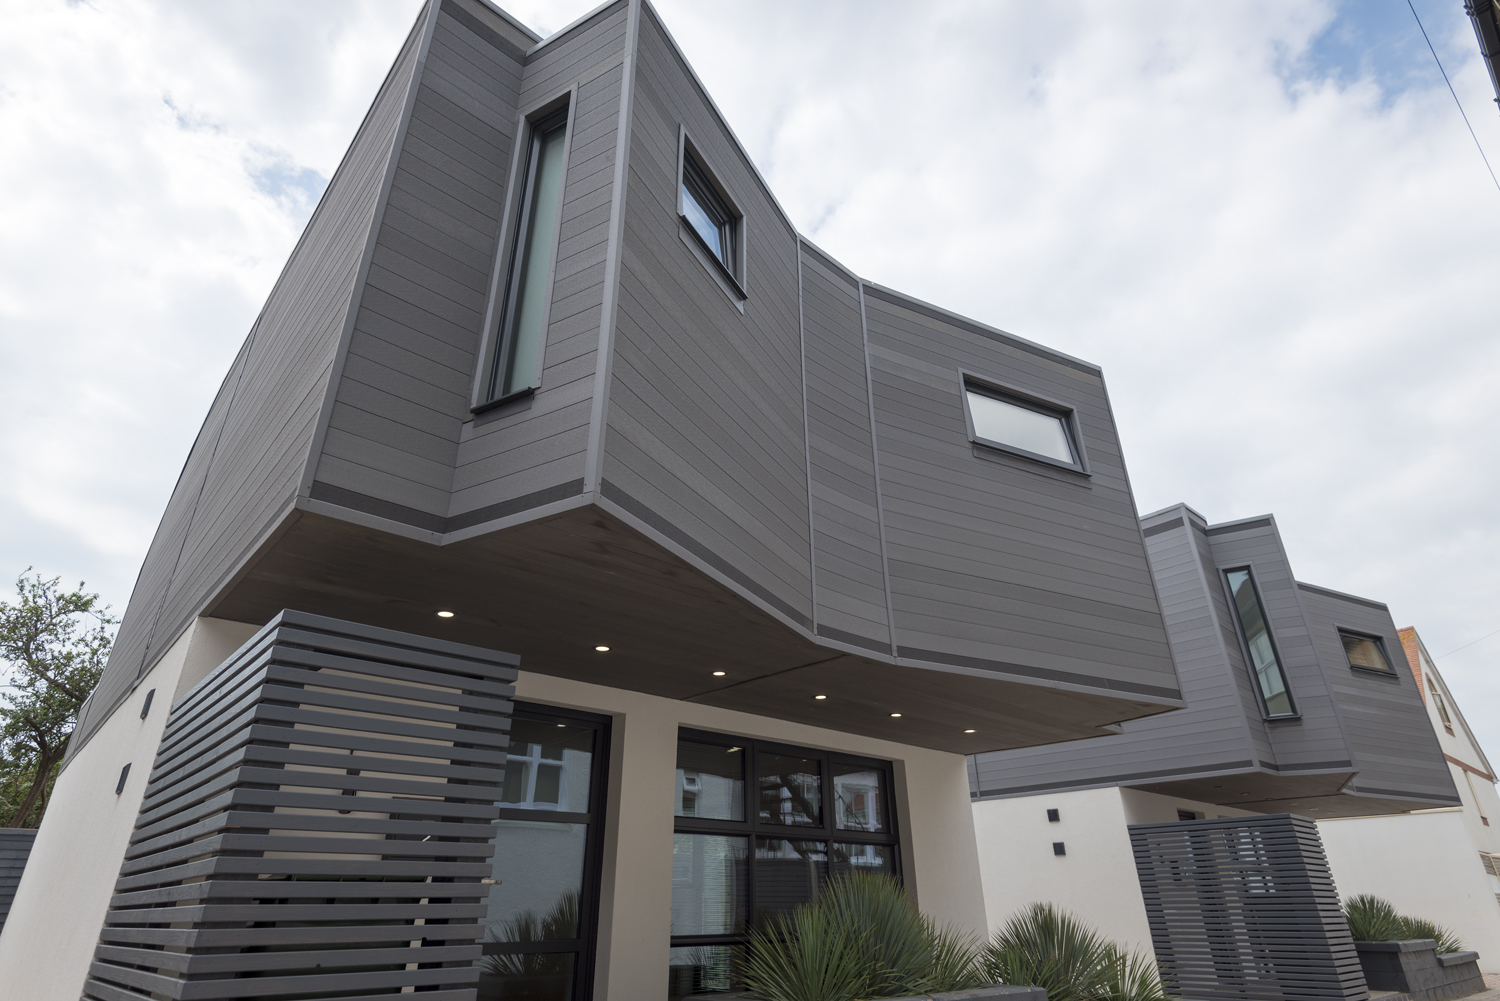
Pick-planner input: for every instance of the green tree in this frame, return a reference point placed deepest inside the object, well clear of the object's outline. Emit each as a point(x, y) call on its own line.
point(53, 644)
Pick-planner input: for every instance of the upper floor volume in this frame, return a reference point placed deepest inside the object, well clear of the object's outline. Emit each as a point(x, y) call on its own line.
point(1299, 697)
point(550, 357)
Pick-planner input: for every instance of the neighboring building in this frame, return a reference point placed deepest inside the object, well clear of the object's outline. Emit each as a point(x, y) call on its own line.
point(1485, 16)
point(1296, 704)
point(1440, 864)
point(550, 372)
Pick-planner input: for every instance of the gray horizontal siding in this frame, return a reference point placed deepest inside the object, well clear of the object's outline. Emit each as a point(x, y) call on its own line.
point(705, 423)
point(15, 849)
point(850, 572)
point(245, 467)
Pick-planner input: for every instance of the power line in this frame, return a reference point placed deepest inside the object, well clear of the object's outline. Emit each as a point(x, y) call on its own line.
point(1467, 645)
point(1455, 101)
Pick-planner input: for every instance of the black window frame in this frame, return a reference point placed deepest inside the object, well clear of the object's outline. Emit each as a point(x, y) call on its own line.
point(503, 342)
point(586, 946)
point(1066, 415)
point(1379, 641)
point(752, 827)
point(696, 179)
point(1245, 652)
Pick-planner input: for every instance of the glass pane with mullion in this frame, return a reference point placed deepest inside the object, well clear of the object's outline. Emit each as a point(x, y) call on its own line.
point(548, 767)
point(859, 797)
point(1018, 426)
point(709, 876)
point(788, 872)
point(706, 212)
point(532, 262)
point(710, 781)
point(538, 873)
point(1365, 652)
point(530, 976)
point(703, 969)
point(1257, 634)
point(846, 857)
point(789, 789)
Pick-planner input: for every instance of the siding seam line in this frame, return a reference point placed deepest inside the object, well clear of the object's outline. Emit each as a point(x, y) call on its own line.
point(593, 465)
point(361, 277)
point(885, 563)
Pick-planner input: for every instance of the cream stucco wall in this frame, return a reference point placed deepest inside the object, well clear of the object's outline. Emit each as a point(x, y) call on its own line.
point(1096, 879)
point(53, 926)
point(1424, 863)
point(940, 857)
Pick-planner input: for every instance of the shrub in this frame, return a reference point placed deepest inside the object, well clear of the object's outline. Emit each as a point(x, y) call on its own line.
point(1372, 919)
point(1044, 947)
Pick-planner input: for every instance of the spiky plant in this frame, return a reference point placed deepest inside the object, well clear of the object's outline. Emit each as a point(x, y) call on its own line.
point(1372, 919)
point(1446, 940)
point(808, 955)
point(1131, 976)
point(1042, 946)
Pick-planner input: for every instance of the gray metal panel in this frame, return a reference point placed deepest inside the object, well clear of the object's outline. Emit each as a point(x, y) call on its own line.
point(1245, 909)
point(1210, 735)
point(245, 467)
point(246, 860)
point(15, 849)
point(993, 557)
point(1391, 737)
point(850, 572)
point(705, 423)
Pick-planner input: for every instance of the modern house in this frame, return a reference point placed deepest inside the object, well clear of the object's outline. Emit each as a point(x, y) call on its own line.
point(550, 375)
point(1298, 702)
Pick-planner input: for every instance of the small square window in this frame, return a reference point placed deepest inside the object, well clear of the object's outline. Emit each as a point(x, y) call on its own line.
point(1015, 424)
point(1366, 653)
point(708, 213)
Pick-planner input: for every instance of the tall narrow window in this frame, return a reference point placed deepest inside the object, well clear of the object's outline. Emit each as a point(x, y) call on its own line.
point(707, 212)
point(524, 315)
point(1366, 652)
point(543, 907)
point(1270, 680)
point(1442, 707)
point(760, 829)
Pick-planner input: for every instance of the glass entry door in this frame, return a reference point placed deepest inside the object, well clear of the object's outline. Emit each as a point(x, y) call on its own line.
point(544, 905)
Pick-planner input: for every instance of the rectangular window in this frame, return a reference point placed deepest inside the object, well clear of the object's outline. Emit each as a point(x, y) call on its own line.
point(523, 315)
point(542, 912)
point(1442, 707)
point(709, 215)
point(747, 849)
point(1265, 665)
point(1014, 424)
point(1365, 652)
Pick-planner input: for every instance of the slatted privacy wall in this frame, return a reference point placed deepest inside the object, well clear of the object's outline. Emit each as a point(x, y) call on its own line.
point(317, 823)
point(15, 849)
point(1245, 908)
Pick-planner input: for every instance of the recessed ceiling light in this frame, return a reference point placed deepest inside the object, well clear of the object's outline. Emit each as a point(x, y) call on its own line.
point(895, 715)
point(602, 649)
point(820, 696)
point(562, 724)
point(968, 731)
point(445, 615)
point(718, 674)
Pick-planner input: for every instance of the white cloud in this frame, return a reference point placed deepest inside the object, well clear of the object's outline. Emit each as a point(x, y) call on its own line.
point(1285, 266)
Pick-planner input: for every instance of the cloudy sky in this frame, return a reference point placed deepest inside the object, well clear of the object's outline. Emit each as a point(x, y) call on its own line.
point(1266, 220)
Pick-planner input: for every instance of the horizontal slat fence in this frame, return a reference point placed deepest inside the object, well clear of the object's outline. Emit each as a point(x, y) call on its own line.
point(15, 849)
point(1245, 908)
point(317, 823)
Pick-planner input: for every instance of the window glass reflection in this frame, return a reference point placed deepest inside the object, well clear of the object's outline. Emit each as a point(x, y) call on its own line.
point(788, 872)
point(845, 858)
point(858, 799)
point(527, 976)
point(710, 781)
point(791, 790)
point(538, 873)
point(703, 969)
point(548, 766)
point(1020, 427)
point(1365, 652)
point(1257, 635)
point(708, 884)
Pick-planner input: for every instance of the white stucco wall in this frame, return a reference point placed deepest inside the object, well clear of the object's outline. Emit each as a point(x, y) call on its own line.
point(1424, 863)
point(940, 857)
point(49, 937)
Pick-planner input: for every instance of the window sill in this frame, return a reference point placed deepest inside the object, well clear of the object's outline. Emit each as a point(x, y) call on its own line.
point(711, 263)
point(520, 394)
point(1284, 718)
point(1375, 672)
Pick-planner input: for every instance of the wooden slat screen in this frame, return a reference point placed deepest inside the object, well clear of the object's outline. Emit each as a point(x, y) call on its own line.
point(317, 823)
point(1245, 908)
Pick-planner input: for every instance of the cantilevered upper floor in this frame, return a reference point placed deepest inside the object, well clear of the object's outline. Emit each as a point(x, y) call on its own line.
point(550, 357)
point(1298, 697)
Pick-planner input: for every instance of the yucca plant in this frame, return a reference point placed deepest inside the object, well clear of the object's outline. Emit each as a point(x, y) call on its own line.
point(1043, 946)
point(1373, 919)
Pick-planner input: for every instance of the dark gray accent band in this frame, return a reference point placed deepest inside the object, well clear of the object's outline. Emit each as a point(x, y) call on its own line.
point(1242, 526)
point(830, 264)
point(307, 798)
point(355, 501)
point(1404, 794)
point(611, 492)
point(1245, 908)
point(1340, 596)
point(484, 31)
point(853, 639)
point(1165, 526)
point(1027, 671)
point(1223, 766)
point(1312, 767)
